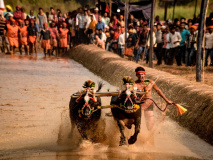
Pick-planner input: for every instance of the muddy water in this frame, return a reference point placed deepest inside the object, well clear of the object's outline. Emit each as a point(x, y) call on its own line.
point(34, 121)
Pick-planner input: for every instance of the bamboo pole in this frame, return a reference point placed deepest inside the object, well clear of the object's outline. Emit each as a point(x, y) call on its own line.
point(200, 40)
point(110, 7)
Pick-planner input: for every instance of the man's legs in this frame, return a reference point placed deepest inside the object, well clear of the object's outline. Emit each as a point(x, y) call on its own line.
point(158, 53)
point(149, 118)
point(140, 49)
point(207, 53)
point(211, 56)
point(177, 56)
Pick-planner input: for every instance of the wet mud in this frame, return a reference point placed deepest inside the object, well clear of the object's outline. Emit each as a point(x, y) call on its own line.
point(35, 124)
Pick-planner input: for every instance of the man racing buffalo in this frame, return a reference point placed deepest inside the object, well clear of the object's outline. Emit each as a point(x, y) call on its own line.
point(143, 85)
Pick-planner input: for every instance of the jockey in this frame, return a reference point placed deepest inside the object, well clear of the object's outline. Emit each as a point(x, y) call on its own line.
point(144, 85)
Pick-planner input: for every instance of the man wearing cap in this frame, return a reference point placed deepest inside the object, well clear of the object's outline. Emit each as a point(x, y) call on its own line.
point(191, 43)
point(182, 48)
point(32, 36)
point(54, 37)
point(18, 14)
point(209, 46)
point(12, 34)
point(63, 36)
point(144, 85)
point(23, 37)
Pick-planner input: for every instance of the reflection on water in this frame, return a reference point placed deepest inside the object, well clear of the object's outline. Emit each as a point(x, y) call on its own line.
point(35, 124)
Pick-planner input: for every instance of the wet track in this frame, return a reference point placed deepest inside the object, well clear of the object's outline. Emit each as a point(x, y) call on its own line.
point(34, 121)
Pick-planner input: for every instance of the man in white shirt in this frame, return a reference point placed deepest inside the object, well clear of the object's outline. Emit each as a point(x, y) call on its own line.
point(174, 39)
point(121, 42)
point(106, 19)
point(80, 25)
point(87, 19)
point(209, 46)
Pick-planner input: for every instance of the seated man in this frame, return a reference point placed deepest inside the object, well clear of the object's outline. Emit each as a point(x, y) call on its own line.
point(143, 85)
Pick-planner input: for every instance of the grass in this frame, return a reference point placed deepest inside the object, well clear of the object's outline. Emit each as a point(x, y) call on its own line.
point(186, 11)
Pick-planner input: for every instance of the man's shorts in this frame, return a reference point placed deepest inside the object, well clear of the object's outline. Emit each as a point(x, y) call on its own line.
point(150, 108)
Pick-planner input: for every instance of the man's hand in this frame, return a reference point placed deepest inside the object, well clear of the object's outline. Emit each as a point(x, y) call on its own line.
point(170, 102)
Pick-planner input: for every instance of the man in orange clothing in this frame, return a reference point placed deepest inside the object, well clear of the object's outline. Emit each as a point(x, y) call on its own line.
point(23, 37)
point(63, 36)
point(32, 36)
point(12, 34)
point(46, 37)
point(90, 31)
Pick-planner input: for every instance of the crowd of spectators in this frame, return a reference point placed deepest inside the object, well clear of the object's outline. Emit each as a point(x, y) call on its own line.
point(54, 31)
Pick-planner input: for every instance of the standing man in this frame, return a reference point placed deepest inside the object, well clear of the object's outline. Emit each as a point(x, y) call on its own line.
point(174, 39)
point(182, 49)
point(209, 46)
point(41, 19)
point(142, 42)
point(80, 25)
point(90, 31)
point(63, 37)
point(144, 85)
point(23, 37)
point(18, 14)
point(191, 45)
point(100, 24)
point(31, 15)
point(96, 13)
point(32, 37)
point(121, 42)
point(159, 42)
point(12, 34)
point(106, 19)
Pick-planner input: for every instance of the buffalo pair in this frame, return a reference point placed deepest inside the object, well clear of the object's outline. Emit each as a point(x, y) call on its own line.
point(85, 111)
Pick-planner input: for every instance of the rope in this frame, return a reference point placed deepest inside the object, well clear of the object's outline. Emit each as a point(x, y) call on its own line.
point(162, 110)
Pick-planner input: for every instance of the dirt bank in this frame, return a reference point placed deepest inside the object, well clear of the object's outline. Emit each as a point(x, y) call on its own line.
point(196, 97)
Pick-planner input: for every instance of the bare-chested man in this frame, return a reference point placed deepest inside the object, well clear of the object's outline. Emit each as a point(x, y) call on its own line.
point(147, 85)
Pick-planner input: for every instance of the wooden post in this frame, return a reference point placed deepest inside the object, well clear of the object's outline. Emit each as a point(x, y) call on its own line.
point(165, 11)
point(173, 15)
point(200, 40)
point(126, 19)
point(110, 8)
point(151, 34)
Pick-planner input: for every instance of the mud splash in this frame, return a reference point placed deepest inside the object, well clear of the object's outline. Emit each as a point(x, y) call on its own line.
point(34, 119)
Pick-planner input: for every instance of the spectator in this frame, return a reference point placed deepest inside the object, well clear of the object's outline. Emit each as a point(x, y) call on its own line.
point(18, 14)
point(63, 38)
point(3, 42)
point(115, 21)
point(209, 46)
point(80, 25)
point(23, 11)
point(32, 36)
point(96, 13)
point(159, 42)
point(131, 42)
point(121, 21)
point(90, 31)
point(8, 10)
point(87, 20)
point(23, 37)
point(54, 37)
point(52, 16)
point(121, 42)
point(182, 49)
point(175, 39)
point(142, 43)
point(191, 45)
point(12, 34)
point(100, 24)
point(31, 15)
point(106, 19)
point(41, 19)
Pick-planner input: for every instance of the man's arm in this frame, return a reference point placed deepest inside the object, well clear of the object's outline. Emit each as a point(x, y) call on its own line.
point(160, 93)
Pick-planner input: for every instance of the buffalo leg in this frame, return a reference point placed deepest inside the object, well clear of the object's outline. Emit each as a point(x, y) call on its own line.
point(121, 127)
point(133, 138)
point(73, 125)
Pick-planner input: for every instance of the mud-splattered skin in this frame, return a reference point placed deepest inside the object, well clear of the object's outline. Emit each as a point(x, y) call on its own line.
point(126, 117)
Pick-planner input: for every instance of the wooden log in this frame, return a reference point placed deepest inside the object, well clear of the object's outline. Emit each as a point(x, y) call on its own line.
point(107, 94)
